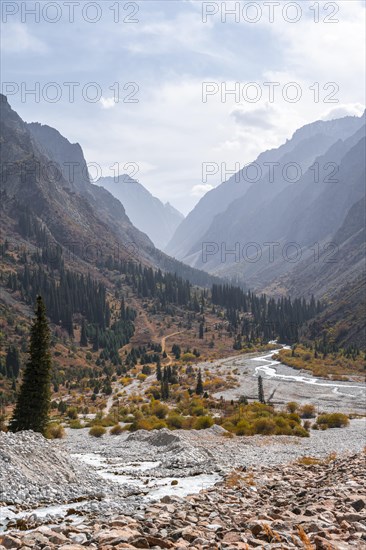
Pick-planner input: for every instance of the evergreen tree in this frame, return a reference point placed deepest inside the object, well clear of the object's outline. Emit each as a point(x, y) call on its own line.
point(260, 390)
point(83, 336)
point(12, 362)
point(201, 331)
point(199, 387)
point(34, 399)
point(158, 372)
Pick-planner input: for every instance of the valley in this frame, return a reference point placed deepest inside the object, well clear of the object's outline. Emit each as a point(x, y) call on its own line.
point(182, 275)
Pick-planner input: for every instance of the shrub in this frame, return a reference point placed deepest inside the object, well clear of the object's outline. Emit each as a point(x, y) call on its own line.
point(175, 421)
point(159, 409)
point(72, 413)
point(203, 422)
point(243, 428)
point(97, 431)
point(294, 419)
point(264, 426)
point(76, 425)
point(332, 420)
point(116, 430)
point(198, 410)
point(292, 406)
point(300, 431)
point(55, 431)
point(188, 357)
point(307, 425)
point(307, 411)
point(308, 461)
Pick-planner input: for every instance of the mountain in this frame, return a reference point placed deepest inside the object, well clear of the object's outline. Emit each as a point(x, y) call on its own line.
point(45, 184)
point(159, 221)
point(305, 145)
point(306, 214)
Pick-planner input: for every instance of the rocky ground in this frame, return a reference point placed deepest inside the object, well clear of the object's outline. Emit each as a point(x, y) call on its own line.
point(131, 491)
point(288, 384)
point(317, 506)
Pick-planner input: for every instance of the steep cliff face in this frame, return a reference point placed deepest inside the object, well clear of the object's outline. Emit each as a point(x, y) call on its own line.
point(68, 208)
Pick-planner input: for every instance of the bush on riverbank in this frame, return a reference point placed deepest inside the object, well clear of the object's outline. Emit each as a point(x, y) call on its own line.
point(332, 420)
point(335, 365)
point(97, 431)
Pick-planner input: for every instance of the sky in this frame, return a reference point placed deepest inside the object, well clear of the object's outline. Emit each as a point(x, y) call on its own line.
point(145, 86)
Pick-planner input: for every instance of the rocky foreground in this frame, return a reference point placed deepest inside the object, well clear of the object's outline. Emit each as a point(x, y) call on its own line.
point(311, 504)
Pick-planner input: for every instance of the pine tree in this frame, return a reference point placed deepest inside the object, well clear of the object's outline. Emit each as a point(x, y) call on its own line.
point(83, 336)
point(33, 403)
point(199, 387)
point(260, 390)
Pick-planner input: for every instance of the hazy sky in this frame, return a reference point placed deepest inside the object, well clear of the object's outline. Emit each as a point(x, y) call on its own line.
point(162, 53)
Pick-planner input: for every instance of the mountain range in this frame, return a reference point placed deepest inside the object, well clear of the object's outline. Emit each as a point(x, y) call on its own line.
point(159, 221)
point(45, 179)
point(259, 232)
point(298, 230)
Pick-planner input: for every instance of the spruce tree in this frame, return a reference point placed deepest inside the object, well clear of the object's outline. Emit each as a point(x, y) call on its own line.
point(199, 387)
point(33, 402)
point(83, 336)
point(260, 390)
point(159, 375)
point(12, 362)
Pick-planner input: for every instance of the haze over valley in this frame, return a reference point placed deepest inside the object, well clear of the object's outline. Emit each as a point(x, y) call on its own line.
point(182, 275)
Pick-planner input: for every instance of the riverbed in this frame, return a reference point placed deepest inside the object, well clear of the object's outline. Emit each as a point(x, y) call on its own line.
point(283, 384)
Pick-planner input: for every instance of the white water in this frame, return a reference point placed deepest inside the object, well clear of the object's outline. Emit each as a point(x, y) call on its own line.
point(270, 370)
point(154, 487)
point(8, 513)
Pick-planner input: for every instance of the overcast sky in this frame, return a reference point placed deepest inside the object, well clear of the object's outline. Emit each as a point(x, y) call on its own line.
point(168, 49)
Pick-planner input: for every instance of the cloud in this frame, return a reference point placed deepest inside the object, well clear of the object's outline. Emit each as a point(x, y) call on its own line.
point(170, 132)
point(107, 102)
point(200, 190)
point(258, 117)
point(16, 38)
point(351, 109)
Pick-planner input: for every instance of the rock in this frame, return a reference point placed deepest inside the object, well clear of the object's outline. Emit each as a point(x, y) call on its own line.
point(10, 542)
point(155, 541)
point(358, 504)
point(232, 536)
point(255, 528)
point(140, 542)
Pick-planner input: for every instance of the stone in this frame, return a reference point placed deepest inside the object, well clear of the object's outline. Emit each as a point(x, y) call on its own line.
point(10, 542)
point(358, 504)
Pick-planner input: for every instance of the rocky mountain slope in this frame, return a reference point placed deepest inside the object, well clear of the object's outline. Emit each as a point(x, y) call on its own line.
point(159, 221)
point(45, 178)
point(251, 187)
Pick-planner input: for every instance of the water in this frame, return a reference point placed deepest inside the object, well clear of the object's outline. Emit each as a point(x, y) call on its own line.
point(154, 487)
point(10, 514)
point(270, 371)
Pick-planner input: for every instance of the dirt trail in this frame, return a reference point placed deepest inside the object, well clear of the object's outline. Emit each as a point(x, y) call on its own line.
point(163, 346)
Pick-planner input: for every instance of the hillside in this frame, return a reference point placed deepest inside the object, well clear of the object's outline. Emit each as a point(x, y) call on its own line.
point(159, 221)
point(221, 211)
